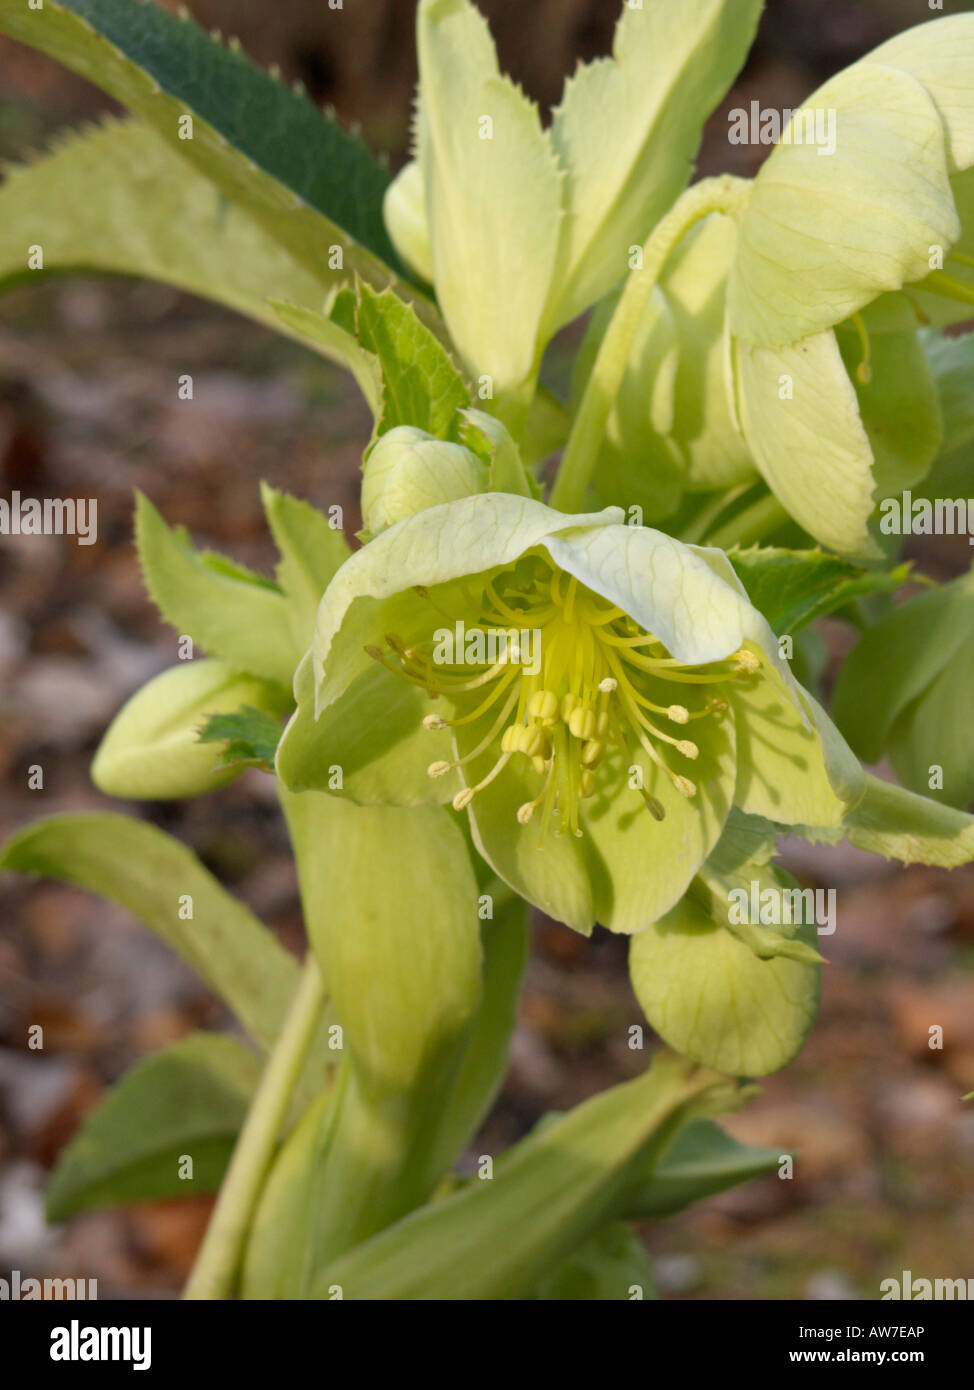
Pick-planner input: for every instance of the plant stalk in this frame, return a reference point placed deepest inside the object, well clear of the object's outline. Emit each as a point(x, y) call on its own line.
point(750, 525)
point(215, 1270)
point(724, 194)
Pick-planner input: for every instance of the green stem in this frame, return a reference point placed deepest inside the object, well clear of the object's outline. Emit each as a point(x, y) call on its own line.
point(695, 530)
point(752, 524)
point(216, 1265)
point(724, 194)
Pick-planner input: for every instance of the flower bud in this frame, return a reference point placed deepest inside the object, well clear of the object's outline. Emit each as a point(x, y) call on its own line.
point(408, 470)
point(152, 749)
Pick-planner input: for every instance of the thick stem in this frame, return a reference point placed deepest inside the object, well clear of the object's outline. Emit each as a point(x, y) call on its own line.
point(216, 1265)
point(750, 525)
point(723, 194)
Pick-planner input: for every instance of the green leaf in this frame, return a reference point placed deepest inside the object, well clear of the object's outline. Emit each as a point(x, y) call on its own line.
point(159, 880)
point(251, 737)
point(138, 209)
point(310, 184)
point(312, 551)
point(628, 129)
point(421, 386)
point(556, 1189)
point(897, 660)
point(610, 1265)
point(793, 587)
point(188, 1101)
point(237, 616)
point(702, 1161)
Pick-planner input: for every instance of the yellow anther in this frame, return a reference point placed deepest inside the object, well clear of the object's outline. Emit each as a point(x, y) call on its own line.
point(678, 713)
point(582, 722)
point(688, 749)
point(747, 661)
point(685, 787)
point(543, 705)
point(525, 812)
point(654, 807)
point(509, 738)
point(568, 703)
point(608, 685)
point(586, 783)
point(463, 799)
point(438, 769)
point(376, 653)
point(592, 753)
point(434, 721)
point(602, 725)
point(539, 764)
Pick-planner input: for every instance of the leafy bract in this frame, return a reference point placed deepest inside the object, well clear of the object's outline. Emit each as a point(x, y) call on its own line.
point(493, 198)
point(793, 587)
point(627, 132)
point(165, 1130)
point(235, 615)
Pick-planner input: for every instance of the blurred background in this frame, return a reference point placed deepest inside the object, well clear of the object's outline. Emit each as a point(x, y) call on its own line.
point(88, 408)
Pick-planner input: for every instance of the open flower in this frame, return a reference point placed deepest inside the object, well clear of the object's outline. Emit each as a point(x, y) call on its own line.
point(596, 696)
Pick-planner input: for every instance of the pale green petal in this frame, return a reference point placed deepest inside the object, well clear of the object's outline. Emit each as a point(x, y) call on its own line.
point(628, 129)
point(369, 746)
point(373, 593)
point(404, 210)
point(409, 471)
point(800, 416)
point(823, 235)
point(682, 594)
point(940, 55)
point(787, 771)
point(626, 868)
point(494, 196)
point(709, 996)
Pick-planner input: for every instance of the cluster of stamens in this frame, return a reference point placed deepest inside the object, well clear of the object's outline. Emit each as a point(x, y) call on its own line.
point(599, 684)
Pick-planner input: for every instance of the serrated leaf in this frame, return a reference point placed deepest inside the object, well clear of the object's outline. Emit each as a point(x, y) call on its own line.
point(186, 1101)
point(155, 877)
point(421, 386)
point(793, 587)
point(138, 209)
point(311, 184)
point(326, 334)
point(239, 617)
point(251, 737)
point(312, 551)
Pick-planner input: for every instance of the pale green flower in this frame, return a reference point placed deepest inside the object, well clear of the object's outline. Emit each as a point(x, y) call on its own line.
point(596, 696)
point(520, 228)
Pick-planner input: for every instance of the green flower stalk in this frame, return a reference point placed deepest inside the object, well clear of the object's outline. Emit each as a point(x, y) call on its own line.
point(596, 696)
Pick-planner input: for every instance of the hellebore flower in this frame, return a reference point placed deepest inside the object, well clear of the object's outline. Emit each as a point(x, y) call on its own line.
point(597, 696)
point(519, 228)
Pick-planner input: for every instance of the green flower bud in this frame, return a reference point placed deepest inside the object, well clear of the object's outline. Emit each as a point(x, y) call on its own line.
point(404, 209)
point(152, 749)
point(408, 470)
